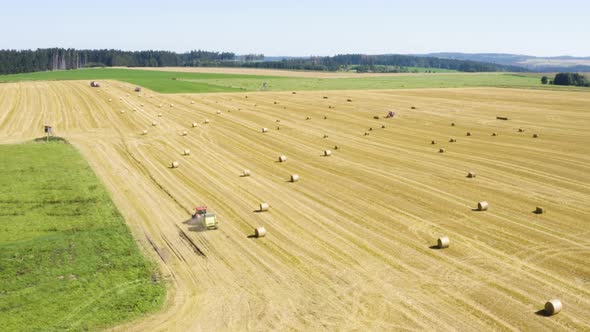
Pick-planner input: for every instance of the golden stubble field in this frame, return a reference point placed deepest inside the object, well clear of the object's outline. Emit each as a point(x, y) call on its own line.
point(348, 246)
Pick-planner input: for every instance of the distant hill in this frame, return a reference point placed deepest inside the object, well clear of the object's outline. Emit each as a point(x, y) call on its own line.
point(542, 64)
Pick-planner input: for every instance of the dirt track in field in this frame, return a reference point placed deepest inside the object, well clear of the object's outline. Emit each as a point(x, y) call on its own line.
point(348, 246)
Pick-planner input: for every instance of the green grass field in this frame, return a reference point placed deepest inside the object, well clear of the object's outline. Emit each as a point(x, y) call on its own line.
point(67, 259)
point(177, 82)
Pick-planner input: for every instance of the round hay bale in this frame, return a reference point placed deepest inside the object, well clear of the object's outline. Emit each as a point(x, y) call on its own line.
point(282, 158)
point(122, 111)
point(366, 133)
point(535, 135)
point(141, 105)
point(452, 124)
point(259, 232)
point(349, 100)
point(443, 242)
point(441, 150)
point(325, 117)
point(482, 206)
point(277, 120)
point(293, 93)
point(325, 136)
point(539, 210)
point(184, 133)
point(110, 100)
point(120, 98)
point(264, 207)
point(336, 147)
point(186, 152)
point(218, 112)
point(471, 174)
point(382, 126)
point(433, 142)
point(278, 128)
point(154, 123)
point(159, 115)
point(175, 164)
point(308, 118)
point(325, 97)
point(370, 128)
point(520, 130)
point(144, 132)
point(264, 130)
point(453, 140)
point(275, 103)
point(494, 134)
point(246, 172)
point(376, 117)
point(294, 177)
point(192, 102)
point(206, 120)
point(413, 107)
point(160, 106)
point(553, 307)
point(327, 153)
point(330, 106)
point(171, 105)
point(468, 133)
point(194, 124)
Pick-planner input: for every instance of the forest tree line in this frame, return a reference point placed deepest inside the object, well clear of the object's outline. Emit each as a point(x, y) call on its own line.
point(23, 61)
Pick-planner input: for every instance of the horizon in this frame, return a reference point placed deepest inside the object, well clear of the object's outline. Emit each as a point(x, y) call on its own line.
point(303, 28)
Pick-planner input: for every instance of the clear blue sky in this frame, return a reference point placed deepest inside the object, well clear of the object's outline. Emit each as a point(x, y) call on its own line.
point(535, 27)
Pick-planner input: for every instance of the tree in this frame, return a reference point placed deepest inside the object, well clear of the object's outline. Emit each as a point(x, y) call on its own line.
point(544, 80)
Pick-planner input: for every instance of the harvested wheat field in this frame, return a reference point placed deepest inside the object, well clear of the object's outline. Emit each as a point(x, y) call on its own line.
point(353, 243)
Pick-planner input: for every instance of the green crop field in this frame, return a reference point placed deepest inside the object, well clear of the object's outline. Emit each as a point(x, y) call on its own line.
point(67, 259)
point(186, 82)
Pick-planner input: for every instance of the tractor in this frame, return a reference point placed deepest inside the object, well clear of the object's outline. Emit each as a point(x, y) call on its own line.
point(209, 220)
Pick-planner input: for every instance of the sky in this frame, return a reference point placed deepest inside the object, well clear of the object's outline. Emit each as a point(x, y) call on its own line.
point(302, 28)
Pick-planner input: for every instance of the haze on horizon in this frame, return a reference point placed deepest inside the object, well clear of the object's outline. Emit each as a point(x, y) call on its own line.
point(302, 28)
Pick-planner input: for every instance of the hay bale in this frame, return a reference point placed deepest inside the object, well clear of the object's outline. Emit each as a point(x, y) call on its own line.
point(349, 100)
point(278, 128)
point(330, 106)
point(218, 112)
point(154, 123)
point(482, 206)
point(175, 164)
point(413, 107)
point(336, 147)
point(553, 307)
point(520, 130)
point(468, 133)
point(433, 142)
point(264, 130)
point(141, 105)
point(382, 126)
point(471, 174)
point(366, 133)
point(282, 158)
point(192, 102)
point(535, 135)
point(275, 102)
point(443, 242)
point(194, 124)
point(110, 100)
point(494, 134)
point(186, 152)
point(259, 232)
point(325, 136)
point(144, 132)
point(325, 117)
point(452, 124)
point(539, 210)
point(325, 97)
point(159, 115)
point(171, 105)
point(122, 111)
point(277, 120)
point(327, 153)
point(308, 118)
point(441, 150)
point(453, 140)
point(502, 117)
point(160, 106)
point(246, 172)
point(184, 133)
point(294, 177)
point(206, 120)
point(293, 93)
point(370, 128)
point(264, 207)
point(376, 117)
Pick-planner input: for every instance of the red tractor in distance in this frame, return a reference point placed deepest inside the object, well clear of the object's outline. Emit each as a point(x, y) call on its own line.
point(209, 220)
